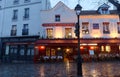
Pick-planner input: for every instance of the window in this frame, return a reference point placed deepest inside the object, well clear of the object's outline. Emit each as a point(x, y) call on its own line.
point(104, 10)
point(118, 27)
point(25, 29)
point(49, 33)
point(85, 28)
point(102, 48)
point(107, 48)
point(57, 18)
point(13, 30)
point(16, 2)
point(95, 26)
point(26, 1)
point(119, 47)
point(68, 32)
point(106, 28)
point(15, 14)
point(26, 13)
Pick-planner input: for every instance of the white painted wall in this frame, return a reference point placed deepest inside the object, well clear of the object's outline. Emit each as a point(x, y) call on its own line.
point(34, 21)
point(68, 16)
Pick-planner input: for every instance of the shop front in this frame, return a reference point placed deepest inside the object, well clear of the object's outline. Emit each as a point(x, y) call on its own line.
point(54, 50)
point(18, 49)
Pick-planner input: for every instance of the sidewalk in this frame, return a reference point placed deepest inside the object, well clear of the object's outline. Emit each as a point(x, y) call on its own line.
point(93, 69)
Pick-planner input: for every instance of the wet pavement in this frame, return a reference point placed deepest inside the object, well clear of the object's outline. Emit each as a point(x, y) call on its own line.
point(90, 69)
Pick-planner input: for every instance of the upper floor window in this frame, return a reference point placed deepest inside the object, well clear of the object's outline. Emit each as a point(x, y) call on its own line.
point(16, 2)
point(106, 29)
point(15, 14)
point(25, 29)
point(68, 32)
point(95, 26)
point(26, 13)
point(85, 28)
point(14, 30)
point(118, 27)
point(104, 10)
point(26, 1)
point(49, 32)
point(57, 18)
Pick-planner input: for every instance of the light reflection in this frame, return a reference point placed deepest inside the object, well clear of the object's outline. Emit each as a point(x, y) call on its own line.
point(42, 71)
point(67, 66)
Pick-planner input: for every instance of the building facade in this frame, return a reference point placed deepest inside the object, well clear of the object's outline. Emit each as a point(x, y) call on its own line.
point(20, 27)
point(99, 34)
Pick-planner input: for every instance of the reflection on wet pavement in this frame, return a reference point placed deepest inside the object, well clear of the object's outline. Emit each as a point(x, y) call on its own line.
point(97, 69)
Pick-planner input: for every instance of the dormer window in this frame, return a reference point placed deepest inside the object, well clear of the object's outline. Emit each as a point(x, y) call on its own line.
point(104, 9)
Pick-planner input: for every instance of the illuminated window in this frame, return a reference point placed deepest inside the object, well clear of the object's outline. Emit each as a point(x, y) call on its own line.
point(49, 33)
point(53, 52)
point(47, 51)
point(106, 28)
point(68, 32)
point(108, 49)
point(85, 28)
point(118, 27)
point(102, 48)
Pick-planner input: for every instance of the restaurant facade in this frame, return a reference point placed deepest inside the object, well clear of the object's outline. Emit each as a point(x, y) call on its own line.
point(99, 35)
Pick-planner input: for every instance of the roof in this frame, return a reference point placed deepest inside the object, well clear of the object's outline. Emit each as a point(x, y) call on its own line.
point(95, 12)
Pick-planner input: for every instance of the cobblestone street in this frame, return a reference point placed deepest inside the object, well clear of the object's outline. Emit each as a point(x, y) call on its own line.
point(93, 69)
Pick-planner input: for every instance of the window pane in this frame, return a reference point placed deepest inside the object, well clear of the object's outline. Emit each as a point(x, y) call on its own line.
point(50, 33)
point(106, 28)
point(68, 32)
point(108, 49)
point(85, 28)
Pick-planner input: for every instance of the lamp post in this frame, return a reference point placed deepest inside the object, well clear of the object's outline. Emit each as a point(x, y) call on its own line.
point(77, 32)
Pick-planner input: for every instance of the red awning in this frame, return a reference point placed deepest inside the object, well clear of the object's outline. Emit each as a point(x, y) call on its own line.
point(73, 42)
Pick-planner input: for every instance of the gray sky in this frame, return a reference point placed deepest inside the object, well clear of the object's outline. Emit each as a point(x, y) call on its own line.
point(86, 4)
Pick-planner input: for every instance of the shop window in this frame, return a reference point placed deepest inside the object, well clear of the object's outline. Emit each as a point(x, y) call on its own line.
point(118, 27)
point(57, 18)
point(15, 15)
point(28, 52)
point(106, 28)
point(25, 29)
point(102, 48)
point(32, 52)
point(47, 51)
point(53, 53)
point(49, 33)
point(14, 30)
point(22, 52)
point(85, 28)
point(108, 49)
point(68, 32)
point(7, 50)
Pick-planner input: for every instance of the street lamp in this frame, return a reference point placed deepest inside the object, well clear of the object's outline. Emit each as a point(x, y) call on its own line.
point(78, 9)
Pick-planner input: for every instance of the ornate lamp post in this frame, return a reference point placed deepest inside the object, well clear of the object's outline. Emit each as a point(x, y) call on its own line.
point(78, 9)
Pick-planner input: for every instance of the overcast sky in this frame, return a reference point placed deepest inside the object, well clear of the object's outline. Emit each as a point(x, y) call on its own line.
point(86, 4)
